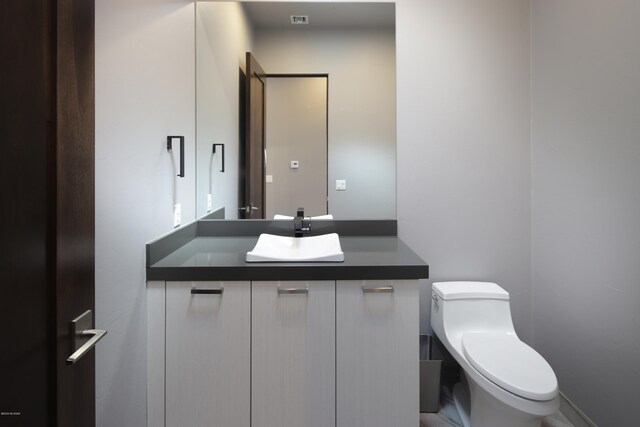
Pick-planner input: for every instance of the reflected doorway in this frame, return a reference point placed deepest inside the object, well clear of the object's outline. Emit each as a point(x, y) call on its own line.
point(253, 199)
point(296, 144)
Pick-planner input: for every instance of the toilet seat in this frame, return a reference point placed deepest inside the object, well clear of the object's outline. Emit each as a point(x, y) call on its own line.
point(510, 364)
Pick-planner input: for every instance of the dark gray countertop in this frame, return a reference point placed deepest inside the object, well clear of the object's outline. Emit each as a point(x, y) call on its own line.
point(223, 258)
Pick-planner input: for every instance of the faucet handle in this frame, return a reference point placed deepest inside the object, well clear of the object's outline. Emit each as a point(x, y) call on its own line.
point(299, 224)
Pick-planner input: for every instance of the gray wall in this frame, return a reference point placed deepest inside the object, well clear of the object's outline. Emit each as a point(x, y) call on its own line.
point(145, 74)
point(586, 201)
point(463, 143)
point(223, 36)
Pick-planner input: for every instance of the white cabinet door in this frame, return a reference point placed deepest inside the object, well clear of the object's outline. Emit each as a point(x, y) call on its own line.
point(293, 354)
point(208, 354)
point(377, 353)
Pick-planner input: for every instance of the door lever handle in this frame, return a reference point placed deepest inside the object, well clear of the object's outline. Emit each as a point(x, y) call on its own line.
point(96, 335)
point(81, 328)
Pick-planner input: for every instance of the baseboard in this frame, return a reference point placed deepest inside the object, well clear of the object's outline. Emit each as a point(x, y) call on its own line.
point(574, 414)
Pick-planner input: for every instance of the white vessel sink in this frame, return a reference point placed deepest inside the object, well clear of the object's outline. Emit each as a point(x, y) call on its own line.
point(272, 248)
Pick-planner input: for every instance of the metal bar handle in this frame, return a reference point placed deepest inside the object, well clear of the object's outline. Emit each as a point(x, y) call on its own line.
point(96, 335)
point(181, 138)
point(196, 291)
point(377, 290)
point(214, 152)
point(289, 291)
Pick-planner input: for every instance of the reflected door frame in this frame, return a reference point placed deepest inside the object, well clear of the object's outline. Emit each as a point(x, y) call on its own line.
point(326, 160)
point(252, 204)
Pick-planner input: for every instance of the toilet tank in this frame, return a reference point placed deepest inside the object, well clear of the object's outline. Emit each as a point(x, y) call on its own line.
point(458, 307)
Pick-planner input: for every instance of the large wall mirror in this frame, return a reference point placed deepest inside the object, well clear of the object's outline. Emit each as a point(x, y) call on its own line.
point(296, 107)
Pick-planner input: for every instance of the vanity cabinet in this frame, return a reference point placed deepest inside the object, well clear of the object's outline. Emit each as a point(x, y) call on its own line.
point(377, 353)
point(293, 354)
point(283, 353)
point(208, 354)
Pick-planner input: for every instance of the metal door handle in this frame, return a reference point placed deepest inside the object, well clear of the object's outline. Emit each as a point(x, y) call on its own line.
point(284, 291)
point(80, 328)
point(378, 290)
point(96, 335)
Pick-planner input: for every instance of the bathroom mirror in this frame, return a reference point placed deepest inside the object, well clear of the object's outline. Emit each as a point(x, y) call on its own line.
point(321, 91)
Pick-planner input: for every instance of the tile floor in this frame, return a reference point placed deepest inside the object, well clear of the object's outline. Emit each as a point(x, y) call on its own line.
point(440, 419)
point(448, 415)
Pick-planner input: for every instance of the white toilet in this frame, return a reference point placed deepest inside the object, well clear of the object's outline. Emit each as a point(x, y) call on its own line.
point(505, 383)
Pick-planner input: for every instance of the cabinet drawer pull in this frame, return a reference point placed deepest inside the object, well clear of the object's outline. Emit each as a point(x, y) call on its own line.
point(284, 291)
point(196, 291)
point(378, 290)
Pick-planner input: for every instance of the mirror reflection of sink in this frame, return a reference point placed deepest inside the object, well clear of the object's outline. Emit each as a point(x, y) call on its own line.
point(328, 216)
point(270, 248)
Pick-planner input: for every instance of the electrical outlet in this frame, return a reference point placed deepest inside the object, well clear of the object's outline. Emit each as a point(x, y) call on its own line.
point(209, 203)
point(177, 215)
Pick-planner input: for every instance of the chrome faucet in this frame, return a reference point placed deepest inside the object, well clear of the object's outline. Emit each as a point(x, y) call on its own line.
point(299, 224)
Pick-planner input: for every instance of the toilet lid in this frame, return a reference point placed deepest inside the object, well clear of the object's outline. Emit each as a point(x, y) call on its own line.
point(511, 364)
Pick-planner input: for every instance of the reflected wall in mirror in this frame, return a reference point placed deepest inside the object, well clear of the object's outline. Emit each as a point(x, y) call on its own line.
point(350, 47)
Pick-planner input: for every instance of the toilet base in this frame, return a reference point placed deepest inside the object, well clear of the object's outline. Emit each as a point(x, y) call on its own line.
point(487, 411)
point(462, 402)
point(477, 408)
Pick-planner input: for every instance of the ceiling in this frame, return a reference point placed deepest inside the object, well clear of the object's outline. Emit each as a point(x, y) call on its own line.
point(321, 15)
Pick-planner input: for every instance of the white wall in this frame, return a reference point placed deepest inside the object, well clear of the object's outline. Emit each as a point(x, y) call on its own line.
point(362, 108)
point(586, 201)
point(144, 91)
point(223, 36)
point(463, 143)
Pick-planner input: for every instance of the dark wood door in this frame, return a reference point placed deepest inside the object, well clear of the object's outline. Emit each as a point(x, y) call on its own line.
point(255, 92)
point(26, 308)
point(74, 210)
point(47, 223)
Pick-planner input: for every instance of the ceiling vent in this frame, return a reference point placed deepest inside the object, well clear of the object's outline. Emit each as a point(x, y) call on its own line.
point(299, 19)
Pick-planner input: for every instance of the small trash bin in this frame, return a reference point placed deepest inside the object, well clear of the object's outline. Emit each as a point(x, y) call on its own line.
point(429, 376)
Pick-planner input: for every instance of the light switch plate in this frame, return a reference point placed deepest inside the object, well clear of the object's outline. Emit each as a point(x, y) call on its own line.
point(269, 179)
point(341, 184)
point(295, 164)
point(177, 215)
